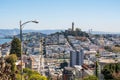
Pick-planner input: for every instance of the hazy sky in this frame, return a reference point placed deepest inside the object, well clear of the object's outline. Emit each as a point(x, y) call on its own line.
point(99, 15)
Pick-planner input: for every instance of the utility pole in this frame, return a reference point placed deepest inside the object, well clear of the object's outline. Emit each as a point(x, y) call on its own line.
point(21, 48)
point(41, 52)
point(21, 27)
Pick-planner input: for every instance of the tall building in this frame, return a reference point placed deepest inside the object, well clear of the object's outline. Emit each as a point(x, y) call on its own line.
point(79, 57)
point(72, 58)
point(76, 57)
point(72, 26)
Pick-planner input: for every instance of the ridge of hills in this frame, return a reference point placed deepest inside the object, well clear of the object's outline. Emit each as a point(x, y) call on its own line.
point(9, 32)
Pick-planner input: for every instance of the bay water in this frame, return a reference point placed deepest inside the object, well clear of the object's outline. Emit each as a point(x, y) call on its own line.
point(2, 41)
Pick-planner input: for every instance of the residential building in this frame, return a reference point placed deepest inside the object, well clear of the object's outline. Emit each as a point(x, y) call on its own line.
point(68, 73)
point(34, 62)
point(76, 58)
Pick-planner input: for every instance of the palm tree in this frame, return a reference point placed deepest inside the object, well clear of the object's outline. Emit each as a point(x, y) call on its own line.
point(96, 64)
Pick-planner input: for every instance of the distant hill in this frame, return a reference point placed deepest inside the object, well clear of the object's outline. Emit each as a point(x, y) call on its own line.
point(6, 32)
point(9, 32)
point(41, 31)
point(102, 32)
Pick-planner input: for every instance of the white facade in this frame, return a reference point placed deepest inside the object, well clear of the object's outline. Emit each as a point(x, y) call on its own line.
point(35, 64)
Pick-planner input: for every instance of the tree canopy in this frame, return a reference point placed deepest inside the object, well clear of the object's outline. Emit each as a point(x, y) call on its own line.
point(64, 64)
point(8, 68)
point(111, 71)
point(90, 78)
point(33, 75)
point(16, 47)
point(77, 32)
point(11, 58)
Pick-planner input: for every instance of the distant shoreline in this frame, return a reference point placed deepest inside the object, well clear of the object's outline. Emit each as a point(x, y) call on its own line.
point(6, 32)
point(2, 41)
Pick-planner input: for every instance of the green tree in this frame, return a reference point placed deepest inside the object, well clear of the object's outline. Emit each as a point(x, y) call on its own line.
point(18, 77)
point(8, 68)
point(11, 59)
point(37, 77)
point(16, 47)
point(90, 78)
point(96, 68)
point(64, 64)
point(96, 64)
point(5, 71)
point(111, 71)
point(32, 75)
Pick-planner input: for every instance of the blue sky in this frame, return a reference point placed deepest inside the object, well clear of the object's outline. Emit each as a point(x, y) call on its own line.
point(99, 15)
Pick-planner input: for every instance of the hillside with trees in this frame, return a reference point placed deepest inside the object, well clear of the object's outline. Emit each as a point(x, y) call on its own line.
point(76, 32)
point(111, 71)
